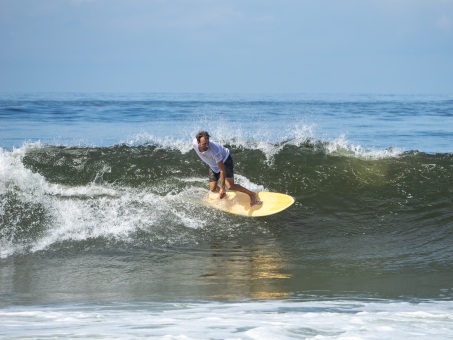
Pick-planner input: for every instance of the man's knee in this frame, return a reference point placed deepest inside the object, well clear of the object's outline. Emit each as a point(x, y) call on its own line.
point(213, 186)
point(229, 183)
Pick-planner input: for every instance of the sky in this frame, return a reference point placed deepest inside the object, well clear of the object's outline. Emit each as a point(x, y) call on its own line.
point(227, 46)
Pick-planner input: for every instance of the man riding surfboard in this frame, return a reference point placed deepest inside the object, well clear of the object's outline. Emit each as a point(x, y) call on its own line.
point(220, 166)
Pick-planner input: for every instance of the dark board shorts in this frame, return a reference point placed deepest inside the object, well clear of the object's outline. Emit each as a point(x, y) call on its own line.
point(214, 176)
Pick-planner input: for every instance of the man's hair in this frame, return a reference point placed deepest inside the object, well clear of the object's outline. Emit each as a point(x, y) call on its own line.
point(202, 134)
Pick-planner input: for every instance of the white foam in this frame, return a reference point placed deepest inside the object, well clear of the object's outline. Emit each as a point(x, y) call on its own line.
point(92, 211)
point(13, 173)
point(264, 139)
point(246, 183)
point(145, 138)
point(270, 141)
point(343, 147)
point(385, 320)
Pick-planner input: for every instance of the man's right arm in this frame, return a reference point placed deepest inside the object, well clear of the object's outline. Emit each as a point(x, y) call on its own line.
point(221, 167)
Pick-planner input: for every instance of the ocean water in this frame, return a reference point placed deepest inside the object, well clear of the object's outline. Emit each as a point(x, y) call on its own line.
point(102, 234)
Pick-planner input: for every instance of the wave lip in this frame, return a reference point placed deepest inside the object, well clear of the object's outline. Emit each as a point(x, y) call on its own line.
point(343, 147)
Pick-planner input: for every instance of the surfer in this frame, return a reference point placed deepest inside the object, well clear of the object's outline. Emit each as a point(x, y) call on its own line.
point(220, 166)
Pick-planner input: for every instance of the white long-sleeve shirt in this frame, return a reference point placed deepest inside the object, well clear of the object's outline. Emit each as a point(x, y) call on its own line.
point(213, 155)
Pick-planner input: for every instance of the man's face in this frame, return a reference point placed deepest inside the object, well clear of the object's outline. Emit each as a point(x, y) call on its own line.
point(203, 145)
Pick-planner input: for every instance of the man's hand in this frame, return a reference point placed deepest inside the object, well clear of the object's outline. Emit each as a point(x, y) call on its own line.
point(222, 192)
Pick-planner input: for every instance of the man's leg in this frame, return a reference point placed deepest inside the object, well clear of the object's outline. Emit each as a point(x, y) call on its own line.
point(236, 187)
point(213, 181)
point(213, 186)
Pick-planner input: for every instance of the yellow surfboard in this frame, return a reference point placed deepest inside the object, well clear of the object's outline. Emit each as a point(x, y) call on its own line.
point(238, 203)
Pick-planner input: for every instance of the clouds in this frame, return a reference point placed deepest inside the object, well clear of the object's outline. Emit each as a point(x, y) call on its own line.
point(226, 46)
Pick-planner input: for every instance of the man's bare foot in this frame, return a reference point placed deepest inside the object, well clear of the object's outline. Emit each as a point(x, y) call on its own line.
point(254, 199)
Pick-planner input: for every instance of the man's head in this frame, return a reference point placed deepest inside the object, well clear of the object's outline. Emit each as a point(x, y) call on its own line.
point(202, 140)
